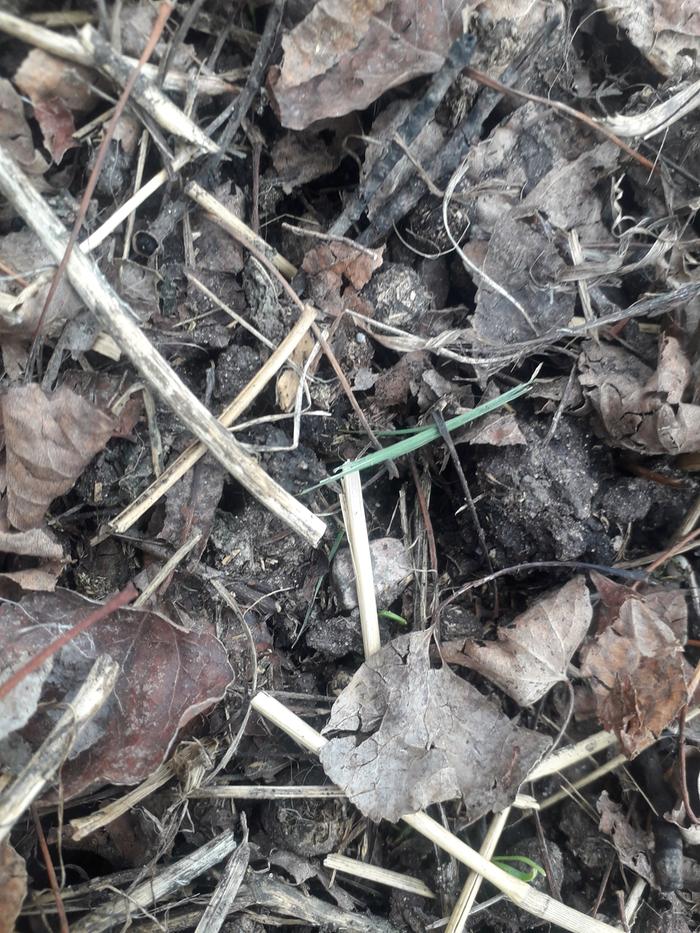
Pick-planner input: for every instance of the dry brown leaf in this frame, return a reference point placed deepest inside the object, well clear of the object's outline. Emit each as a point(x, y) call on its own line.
point(13, 886)
point(15, 134)
point(639, 409)
point(667, 32)
point(167, 677)
point(342, 56)
point(532, 655)
point(336, 271)
point(636, 666)
point(633, 846)
point(57, 89)
point(420, 736)
point(49, 440)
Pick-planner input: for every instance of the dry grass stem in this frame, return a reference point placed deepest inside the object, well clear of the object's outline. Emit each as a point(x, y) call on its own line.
point(53, 751)
point(353, 507)
point(223, 897)
point(392, 879)
point(266, 792)
point(658, 118)
point(167, 568)
point(189, 457)
point(115, 315)
point(534, 902)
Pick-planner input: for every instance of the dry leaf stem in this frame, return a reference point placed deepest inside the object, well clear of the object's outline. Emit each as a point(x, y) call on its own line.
point(115, 316)
point(392, 879)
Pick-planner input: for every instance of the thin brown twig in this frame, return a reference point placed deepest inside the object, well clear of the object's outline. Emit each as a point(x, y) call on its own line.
point(432, 550)
point(116, 602)
point(603, 886)
point(50, 871)
point(164, 12)
point(562, 108)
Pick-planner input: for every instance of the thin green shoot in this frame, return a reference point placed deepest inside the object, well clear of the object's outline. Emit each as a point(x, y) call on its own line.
point(392, 616)
point(425, 436)
point(504, 862)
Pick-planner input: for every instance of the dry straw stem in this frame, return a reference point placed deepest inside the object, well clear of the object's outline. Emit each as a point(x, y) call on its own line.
point(53, 751)
point(353, 507)
point(73, 50)
point(182, 760)
point(467, 897)
point(169, 881)
point(167, 568)
point(529, 899)
point(223, 897)
point(659, 118)
point(266, 791)
point(392, 879)
point(116, 317)
point(147, 94)
point(187, 459)
point(238, 230)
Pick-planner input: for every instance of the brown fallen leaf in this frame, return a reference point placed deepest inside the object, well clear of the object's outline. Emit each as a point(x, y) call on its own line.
point(57, 89)
point(639, 409)
point(168, 676)
point(636, 666)
point(15, 134)
point(336, 271)
point(49, 440)
point(633, 846)
point(420, 736)
point(13, 887)
point(342, 56)
point(667, 32)
point(532, 655)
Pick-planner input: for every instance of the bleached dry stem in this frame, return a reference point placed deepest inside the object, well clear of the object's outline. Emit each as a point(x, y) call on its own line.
point(72, 50)
point(534, 902)
point(189, 457)
point(352, 504)
point(53, 751)
point(392, 879)
point(169, 881)
point(115, 316)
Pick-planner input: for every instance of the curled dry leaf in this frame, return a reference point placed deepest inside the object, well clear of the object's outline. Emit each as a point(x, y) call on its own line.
point(57, 89)
point(419, 736)
point(167, 677)
point(342, 56)
point(533, 654)
point(667, 32)
point(15, 134)
point(49, 440)
point(635, 664)
point(13, 887)
point(640, 409)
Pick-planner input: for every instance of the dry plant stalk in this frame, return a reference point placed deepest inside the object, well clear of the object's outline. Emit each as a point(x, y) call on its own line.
point(115, 316)
point(46, 761)
point(189, 457)
point(523, 895)
point(353, 507)
point(392, 879)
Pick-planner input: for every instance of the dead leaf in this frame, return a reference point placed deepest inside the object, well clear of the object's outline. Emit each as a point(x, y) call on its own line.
point(336, 271)
point(636, 666)
point(49, 440)
point(342, 56)
point(639, 409)
point(168, 676)
point(299, 158)
point(499, 429)
point(13, 886)
point(15, 134)
point(667, 32)
point(532, 655)
point(420, 736)
point(633, 846)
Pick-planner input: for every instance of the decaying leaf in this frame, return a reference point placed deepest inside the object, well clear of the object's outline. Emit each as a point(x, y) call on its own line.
point(639, 409)
point(336, 271)
point(667, 32)
point(168, 676)
point(49, 440)
point(633, 846)
point(57, 89)
point(636, 666)
point(419, 736)
point(15, 134)
point(342, 56)
point(13, 886)
point(532, 655)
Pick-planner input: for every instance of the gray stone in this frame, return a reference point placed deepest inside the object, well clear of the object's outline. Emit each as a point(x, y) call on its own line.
point(392, 573)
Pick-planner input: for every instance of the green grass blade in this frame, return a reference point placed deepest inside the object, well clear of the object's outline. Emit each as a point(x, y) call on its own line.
point(424, 436)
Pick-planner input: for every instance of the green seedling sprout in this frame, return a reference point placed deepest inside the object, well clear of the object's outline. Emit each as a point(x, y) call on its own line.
point(503, 861)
